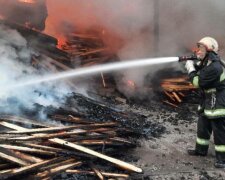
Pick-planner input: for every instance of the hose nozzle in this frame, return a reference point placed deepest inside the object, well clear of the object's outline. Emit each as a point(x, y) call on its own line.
point(185, 58)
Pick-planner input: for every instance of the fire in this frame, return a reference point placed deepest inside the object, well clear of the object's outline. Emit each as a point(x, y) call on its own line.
point(61, 41)
point(131, 83)
point(27, 1)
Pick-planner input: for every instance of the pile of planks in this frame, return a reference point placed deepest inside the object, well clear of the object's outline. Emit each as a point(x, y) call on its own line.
point(42, 151)
point(86, 49)
point(175, 89)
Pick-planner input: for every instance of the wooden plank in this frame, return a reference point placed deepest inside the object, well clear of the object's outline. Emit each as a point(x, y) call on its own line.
point(42, 130)
point(27, 169)
point(10, 156)
point(42, 147)
point(103, 79)
point(28, 158)
point(91, 152)
point(177, 97)
point(54, 135)
point(120, 163)
point(63, 162)
point(182, 94)
point(96, 171)
point(21, 120)
point(169, 95)
point(57, 170)
point(26, 149)
point(174, 105)
point(12, 126)
point(56, 129)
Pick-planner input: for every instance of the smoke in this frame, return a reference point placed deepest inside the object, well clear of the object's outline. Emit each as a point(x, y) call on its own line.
point(26, 12)
point(130, 29)
point(15, 64)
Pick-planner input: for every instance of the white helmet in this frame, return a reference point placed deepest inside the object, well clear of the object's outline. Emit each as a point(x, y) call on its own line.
point(210, 43)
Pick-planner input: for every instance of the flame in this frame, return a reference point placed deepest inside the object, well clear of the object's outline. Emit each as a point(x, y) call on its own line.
point(131, 83)
point(66, 18)
point(27, 1)
point(61, 41)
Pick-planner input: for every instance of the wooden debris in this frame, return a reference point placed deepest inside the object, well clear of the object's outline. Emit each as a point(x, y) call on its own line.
point(57, 170)
point(175, 90)
point(174, 105)
point(177, 97)
point(27, 169)
point(122, 164)
point(29, 151)
point(35, 143)
point(26, 149)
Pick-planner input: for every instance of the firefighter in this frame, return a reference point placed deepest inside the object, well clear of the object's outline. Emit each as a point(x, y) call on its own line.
point(208, 75)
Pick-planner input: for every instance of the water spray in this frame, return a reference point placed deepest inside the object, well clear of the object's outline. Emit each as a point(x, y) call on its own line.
point(94, 70)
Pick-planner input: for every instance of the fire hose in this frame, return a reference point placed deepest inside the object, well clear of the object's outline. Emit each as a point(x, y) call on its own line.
point(193, 57)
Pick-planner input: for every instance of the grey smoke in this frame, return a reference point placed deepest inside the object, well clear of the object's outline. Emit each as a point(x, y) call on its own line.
point(15, 65)
point(181, 24)
point(130, 26)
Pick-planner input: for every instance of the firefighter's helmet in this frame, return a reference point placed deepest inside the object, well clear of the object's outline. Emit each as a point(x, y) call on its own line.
point(210, 43)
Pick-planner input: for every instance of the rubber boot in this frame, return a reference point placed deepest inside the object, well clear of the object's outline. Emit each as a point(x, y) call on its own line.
point(194, 152)
point(219, 164)
point(220, 160)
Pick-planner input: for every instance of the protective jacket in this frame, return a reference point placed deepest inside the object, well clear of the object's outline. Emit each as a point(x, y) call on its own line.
point(210, 78)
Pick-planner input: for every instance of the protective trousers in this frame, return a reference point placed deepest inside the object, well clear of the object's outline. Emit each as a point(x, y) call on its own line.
point(204, 130)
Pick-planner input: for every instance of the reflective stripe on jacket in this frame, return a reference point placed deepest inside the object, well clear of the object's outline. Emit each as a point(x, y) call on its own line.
point(211, 80)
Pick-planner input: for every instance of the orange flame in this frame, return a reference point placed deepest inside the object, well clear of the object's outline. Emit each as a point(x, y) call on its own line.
point(131, 83)
point(27, 1)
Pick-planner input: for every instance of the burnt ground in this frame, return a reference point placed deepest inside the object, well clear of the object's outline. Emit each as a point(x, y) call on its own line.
point(165, 157)
point(163, 135)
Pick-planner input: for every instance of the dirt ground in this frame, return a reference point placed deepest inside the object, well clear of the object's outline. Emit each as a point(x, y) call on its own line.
point(166, 157)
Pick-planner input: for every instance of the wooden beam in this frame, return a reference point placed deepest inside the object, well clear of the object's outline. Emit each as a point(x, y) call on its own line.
point(120, 163)
point(10, 156)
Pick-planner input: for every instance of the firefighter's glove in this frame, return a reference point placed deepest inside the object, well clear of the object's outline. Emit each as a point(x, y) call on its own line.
point(190, 66)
